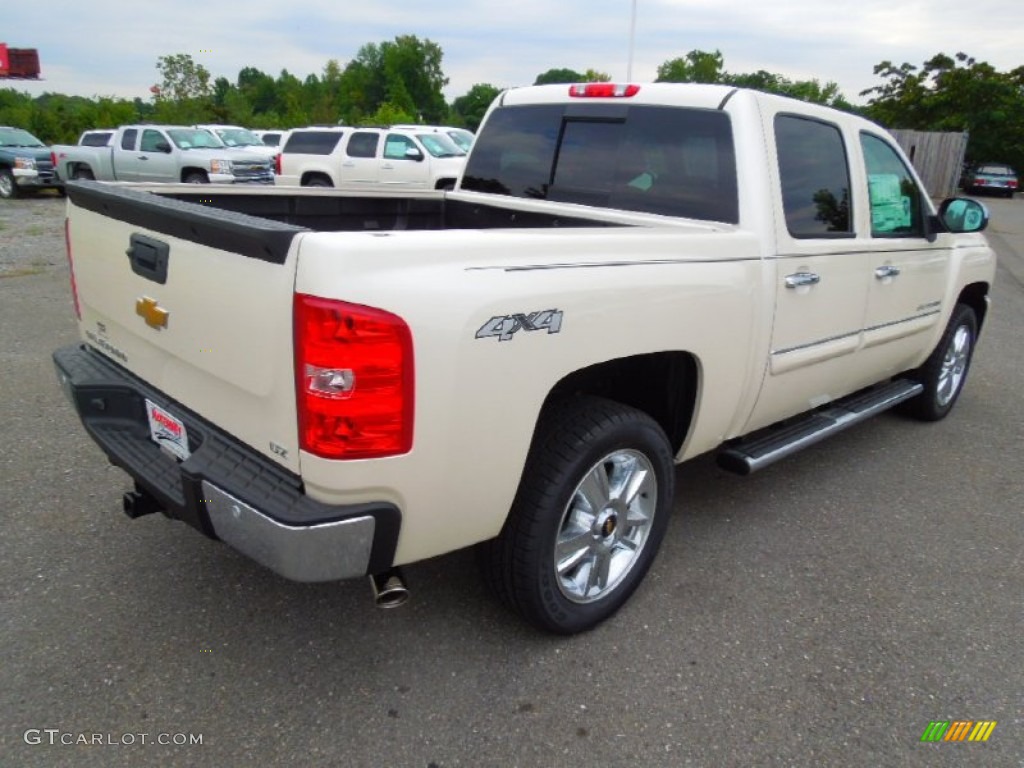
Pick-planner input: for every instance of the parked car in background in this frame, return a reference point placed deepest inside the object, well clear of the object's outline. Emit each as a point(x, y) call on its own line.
point(236, 137)
point(274, 138)
point(25, 164)
point(997, 178)
point(369, 159)
point(462, 137)
point(163, 153)
point(97, 137)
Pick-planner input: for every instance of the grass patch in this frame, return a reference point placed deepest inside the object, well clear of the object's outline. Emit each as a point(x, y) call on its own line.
point(21, 272)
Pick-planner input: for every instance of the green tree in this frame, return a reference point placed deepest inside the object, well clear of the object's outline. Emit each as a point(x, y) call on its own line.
point(695, 67)
point(955, 94)
point(560, 76)
point(471, 107)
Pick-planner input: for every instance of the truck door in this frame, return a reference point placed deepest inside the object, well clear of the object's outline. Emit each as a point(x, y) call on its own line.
point(360, 165)
point(403, 163)
point(156, 159)
point(821, 281)
point(125, 157)
point(908, 270)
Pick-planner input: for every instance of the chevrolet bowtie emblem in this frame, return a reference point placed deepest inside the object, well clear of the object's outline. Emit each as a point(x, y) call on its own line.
point(155, 316)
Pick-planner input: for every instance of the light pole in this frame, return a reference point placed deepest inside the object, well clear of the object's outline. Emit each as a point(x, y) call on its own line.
point(632, 36)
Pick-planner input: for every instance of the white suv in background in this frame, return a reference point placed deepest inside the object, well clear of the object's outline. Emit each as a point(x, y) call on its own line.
point(369, 158)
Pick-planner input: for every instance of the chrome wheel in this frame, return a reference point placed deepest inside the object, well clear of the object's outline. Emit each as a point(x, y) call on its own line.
point(954, 366)
point(605, 525)
point(7, 189)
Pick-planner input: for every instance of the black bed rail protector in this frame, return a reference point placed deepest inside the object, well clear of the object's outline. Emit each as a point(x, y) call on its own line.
point(230, 231)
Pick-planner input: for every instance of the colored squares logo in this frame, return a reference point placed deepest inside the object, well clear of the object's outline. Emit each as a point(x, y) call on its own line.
point(958, 730)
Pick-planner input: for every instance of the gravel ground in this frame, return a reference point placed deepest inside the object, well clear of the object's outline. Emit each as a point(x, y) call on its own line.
point(31, 235)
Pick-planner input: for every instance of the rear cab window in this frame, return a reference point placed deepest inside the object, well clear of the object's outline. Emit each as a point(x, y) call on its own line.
point(672, 161)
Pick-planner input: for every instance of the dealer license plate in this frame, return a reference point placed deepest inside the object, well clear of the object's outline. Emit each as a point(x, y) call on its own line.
point(167, 431)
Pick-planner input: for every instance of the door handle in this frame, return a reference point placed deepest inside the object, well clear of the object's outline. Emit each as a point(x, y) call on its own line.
point(885, 271)
point(800, 279)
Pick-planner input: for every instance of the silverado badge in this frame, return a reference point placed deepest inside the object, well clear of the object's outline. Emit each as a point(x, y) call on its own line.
point(154, 315)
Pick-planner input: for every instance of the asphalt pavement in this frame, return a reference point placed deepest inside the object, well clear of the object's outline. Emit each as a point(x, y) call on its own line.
point(820, 613)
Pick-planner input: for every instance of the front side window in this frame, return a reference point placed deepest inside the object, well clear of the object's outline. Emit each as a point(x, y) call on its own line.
point(666, 160)
point(895, 198)
point(151, 141)
point(397, 147)
point(815, 177)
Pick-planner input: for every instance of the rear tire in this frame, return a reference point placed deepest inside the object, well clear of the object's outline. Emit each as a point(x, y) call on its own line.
point(318, 181)
point(945, 371)
point(83, 174)
point(588, 518)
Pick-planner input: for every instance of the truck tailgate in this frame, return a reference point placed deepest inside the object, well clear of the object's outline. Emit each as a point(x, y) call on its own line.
point(195, 301)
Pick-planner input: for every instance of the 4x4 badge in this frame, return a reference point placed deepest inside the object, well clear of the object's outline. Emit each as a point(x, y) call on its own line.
point(506, 326)
point(154, 315)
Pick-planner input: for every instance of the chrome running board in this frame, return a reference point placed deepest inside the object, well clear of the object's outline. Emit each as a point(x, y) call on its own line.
point(759, 449)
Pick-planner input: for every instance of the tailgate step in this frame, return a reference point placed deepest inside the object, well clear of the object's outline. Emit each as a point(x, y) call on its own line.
point(767, 446)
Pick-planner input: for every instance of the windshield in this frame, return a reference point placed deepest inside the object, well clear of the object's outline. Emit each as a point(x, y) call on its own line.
point(194, 138)
point(462, 137)
point(239, 137)
point(439, 145)
point(16, 137)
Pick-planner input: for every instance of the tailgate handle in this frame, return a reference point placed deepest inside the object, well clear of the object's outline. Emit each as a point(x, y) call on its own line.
point(149, 257)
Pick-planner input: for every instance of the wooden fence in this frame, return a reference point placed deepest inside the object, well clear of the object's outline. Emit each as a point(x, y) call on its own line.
point(938, 158)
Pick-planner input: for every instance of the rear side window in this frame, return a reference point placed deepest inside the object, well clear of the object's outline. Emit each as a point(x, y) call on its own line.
point(312, 142)
point(95, 139)
point(128, 138)
point(363, 144)
point(815, 177)
point(665, 160)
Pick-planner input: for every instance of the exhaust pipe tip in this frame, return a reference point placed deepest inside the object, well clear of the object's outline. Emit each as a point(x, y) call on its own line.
point(389, 590)
point(138, 503)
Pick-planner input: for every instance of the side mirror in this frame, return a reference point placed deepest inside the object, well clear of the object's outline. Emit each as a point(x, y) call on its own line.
point(413, 154)
point(162, 146)
point(961, 214)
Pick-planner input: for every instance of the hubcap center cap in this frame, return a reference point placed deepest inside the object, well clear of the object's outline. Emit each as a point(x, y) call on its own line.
point(606, 524)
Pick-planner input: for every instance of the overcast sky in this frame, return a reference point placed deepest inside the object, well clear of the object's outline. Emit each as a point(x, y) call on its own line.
point(110, 47)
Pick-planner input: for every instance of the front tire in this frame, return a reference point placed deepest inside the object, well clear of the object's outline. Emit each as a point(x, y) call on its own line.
point(196, 177)
point(589, 516)
point(945, 371)
point(8, 187)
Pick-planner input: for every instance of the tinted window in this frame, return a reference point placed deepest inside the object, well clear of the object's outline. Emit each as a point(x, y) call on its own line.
point(150, 140)
point(271, 139)
point(815, 177)
point(895, 198)
point(128, 138)
point(672, 161)
point(312, 142)
point(363, 144)
point(95, 139)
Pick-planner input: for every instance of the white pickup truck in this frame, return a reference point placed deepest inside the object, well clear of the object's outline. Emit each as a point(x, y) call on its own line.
point(165, 154)
point(337, 384)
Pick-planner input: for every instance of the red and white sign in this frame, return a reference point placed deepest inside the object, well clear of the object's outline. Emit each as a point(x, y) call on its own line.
point(5, 60)
point(167, 431)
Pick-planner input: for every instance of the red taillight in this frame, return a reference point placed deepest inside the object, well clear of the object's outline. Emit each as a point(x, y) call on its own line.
point(354, 378)
point(603, 90)
point(71, 268)
point(277, 163)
